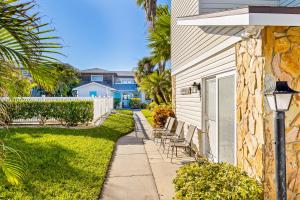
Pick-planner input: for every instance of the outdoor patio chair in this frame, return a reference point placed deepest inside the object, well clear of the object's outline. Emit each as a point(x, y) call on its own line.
point(167, 131)
point(171, 135)
point(158, 131)
point(186, 143)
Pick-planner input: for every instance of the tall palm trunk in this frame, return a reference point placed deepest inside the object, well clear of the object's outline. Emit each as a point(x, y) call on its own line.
point(162, 96)
point(161, 66)
point(155, 99)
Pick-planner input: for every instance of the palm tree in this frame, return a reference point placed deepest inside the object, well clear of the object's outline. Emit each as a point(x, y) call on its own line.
point(145, 67)
point(24, 43)
point(159, 39)
point(150, 9)
point(157, 85)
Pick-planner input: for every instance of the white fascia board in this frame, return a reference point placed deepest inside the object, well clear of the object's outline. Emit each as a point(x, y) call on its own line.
point(227, 43)
point(231, 20)
point(271, 19)
point(247, 19)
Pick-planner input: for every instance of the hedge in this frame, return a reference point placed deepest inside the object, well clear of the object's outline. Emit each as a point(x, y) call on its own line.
point(215, 181)
point(135, 103)
point(70, 113)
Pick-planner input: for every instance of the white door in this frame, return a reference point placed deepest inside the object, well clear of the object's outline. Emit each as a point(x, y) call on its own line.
point(219, 118)
point(226, 118)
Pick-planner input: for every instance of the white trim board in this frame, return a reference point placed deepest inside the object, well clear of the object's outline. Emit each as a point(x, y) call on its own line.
point(227, 43)
point(247, 19)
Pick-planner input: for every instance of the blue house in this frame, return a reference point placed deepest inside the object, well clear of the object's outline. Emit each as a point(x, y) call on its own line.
point(119, 84)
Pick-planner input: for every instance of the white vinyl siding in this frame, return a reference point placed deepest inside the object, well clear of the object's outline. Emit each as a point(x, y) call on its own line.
point(189, 107)
point(189, 42)
point(206, 6)
point(290, 3)
point(182, 38)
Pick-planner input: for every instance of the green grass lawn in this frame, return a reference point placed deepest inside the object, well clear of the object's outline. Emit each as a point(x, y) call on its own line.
point(125, 112)
point(149, 116)
point(64, 163)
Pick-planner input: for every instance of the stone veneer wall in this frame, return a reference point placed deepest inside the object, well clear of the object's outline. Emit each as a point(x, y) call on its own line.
point(250, 134)
point(274, 54)
point(282, 54)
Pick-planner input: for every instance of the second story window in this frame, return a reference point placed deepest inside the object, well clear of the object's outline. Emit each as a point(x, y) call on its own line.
point(97, 78)
point(124, 81)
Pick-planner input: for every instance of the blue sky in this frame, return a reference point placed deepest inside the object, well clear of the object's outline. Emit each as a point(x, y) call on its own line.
point(109, 34)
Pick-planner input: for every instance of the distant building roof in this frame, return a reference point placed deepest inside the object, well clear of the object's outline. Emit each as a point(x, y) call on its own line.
point(94, 83)
point(95, 70)
point(103, 71)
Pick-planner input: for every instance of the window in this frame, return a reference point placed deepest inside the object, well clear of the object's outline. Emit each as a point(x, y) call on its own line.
point(97, 78)
point(93, 93)
point(126, 96)
point(124, 81)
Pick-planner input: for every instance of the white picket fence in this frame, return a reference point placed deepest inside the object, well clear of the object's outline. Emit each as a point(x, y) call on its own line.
point(102, 106)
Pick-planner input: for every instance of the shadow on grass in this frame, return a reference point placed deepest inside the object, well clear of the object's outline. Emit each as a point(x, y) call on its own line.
point(63, 167)
point(51, 173)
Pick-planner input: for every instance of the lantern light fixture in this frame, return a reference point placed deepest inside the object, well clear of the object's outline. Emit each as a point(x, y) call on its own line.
point(279, 100)
point(281, 97)
point(196, 87)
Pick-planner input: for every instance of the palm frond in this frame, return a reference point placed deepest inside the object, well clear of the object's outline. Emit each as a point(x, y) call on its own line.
point(159, 38)
point(12, 164)
point(25, 42)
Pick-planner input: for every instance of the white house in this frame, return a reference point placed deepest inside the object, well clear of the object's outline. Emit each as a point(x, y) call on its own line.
point(94, 89)
point(233, 50)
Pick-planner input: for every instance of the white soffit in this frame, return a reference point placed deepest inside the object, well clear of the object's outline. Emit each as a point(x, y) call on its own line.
point(250, 16)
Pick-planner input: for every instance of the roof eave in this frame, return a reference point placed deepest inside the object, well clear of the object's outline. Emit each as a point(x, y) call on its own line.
point(251, 16)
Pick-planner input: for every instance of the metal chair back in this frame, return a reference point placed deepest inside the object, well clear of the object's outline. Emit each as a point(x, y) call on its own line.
point(190, 134)
point(167, 123)
point(171, 124)
point(179, 129)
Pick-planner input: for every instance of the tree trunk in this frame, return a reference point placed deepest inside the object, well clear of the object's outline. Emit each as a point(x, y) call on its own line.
point(155, 99)
point(160, 93)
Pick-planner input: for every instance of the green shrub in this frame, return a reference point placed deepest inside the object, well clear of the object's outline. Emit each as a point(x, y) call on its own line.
point(160, 115)
point(152, 105)
point(213, 181)
point(135, 103)
point(70, 113)
point(144, 105)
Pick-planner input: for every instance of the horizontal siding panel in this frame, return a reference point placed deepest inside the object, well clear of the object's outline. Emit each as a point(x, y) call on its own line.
point(206, 6)
point(190, 106)
point(290, 3)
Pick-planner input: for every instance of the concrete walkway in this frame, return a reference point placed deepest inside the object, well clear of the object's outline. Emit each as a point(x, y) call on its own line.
point(139, 170)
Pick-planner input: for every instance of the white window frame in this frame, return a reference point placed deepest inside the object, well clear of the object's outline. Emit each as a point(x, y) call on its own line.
point(95, 75)
point(230, 73)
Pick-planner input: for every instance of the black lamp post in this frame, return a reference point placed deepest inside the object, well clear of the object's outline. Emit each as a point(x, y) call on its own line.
point(279, 101)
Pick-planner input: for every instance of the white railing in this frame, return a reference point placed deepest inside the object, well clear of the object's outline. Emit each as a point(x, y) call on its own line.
point(102, 106)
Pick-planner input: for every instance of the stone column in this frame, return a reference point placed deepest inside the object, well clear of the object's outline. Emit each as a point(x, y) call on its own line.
point(250, 63)
point(274, 54)
point(282, 54)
